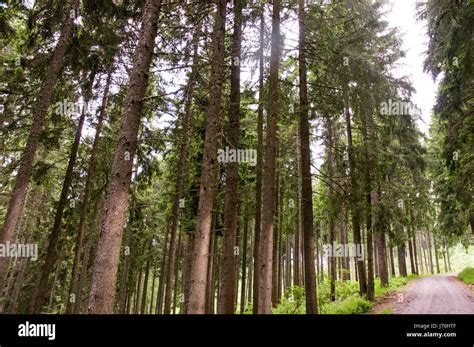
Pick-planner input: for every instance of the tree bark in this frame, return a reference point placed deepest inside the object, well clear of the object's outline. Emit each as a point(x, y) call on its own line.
point(346, 269)
point(244, 264)
point(431, 253)
point(87, 255)
point(87, 191)
point(229, 274)
point(297, 248)
point(269, 196)
point(209, 178)
point(145, 283)
point(332, 213)
point(125, 272)
point(436, 254)
point(367, 122)
point(402, 265)
point(162, 283)
point(188, 261)
point(276, 231)
point(259, 168)
point(102, 295)
point(380, 243)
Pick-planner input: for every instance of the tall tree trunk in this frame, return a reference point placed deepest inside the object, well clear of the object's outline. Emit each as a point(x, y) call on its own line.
point(188, 262)
point(138, 292)
point(392, 262)
point(250, 267)
point(211, 268)
point(209, 178)
point(421, 254)
point(281, 277)
point(297, 249)
point(11, 279)
point(125, 272)
point(176, 276)
point(259, 167)
point(244, 264)
point(87, 190)
point(346, 275)
point(276, 231)
point(415, 247)
point(412, 259)
point(366, 123)
point(40, 110)
point(288, 262)
point(229, 275)
point(362, 278)
point(431, 253)
point(87, 255)
point(269, 196)
point(145, 282)
point(52, 293)
point(402, 266)
point(332, 213)
point(423, 247)
point(307, 193)
point(162, 283)
point(436, 254)
point(51, 252)
point(102, 295)
point(382, 258)
point(444, 259)
point(380, 244)
point(180, 169)
point(153, 282)
point(449, 260)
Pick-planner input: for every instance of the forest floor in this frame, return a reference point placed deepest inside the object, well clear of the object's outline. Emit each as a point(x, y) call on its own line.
point(438, 294)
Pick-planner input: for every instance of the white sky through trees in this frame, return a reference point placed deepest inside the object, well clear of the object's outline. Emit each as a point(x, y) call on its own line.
point(415, 43)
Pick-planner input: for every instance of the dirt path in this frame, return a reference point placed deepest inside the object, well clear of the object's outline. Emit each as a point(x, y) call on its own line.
point(440, 294)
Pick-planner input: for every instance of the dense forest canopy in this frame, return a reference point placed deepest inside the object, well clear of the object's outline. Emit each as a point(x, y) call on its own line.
point(241, 156)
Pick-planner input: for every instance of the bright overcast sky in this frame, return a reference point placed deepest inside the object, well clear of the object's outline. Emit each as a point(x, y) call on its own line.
point(403, 16)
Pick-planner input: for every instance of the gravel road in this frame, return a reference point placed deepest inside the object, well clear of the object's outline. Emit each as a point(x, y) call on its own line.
point(440, 294)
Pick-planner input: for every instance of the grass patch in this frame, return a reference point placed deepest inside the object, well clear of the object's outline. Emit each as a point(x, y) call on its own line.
point(386, 311)
point(394, 284)
point(351, 305)
point(467, 275)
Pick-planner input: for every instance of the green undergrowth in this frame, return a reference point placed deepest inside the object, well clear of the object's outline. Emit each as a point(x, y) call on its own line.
point(467, 275)
point(347, 300)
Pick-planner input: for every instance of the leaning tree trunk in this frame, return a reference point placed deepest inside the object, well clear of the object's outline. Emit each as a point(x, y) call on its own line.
point(40, 109)
point(229, 273)
point(87, 254)
point(85, 195)
point(209, 178)
point(266, 239)
point(102, 295)
point(55, 232)
point(125, 273)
